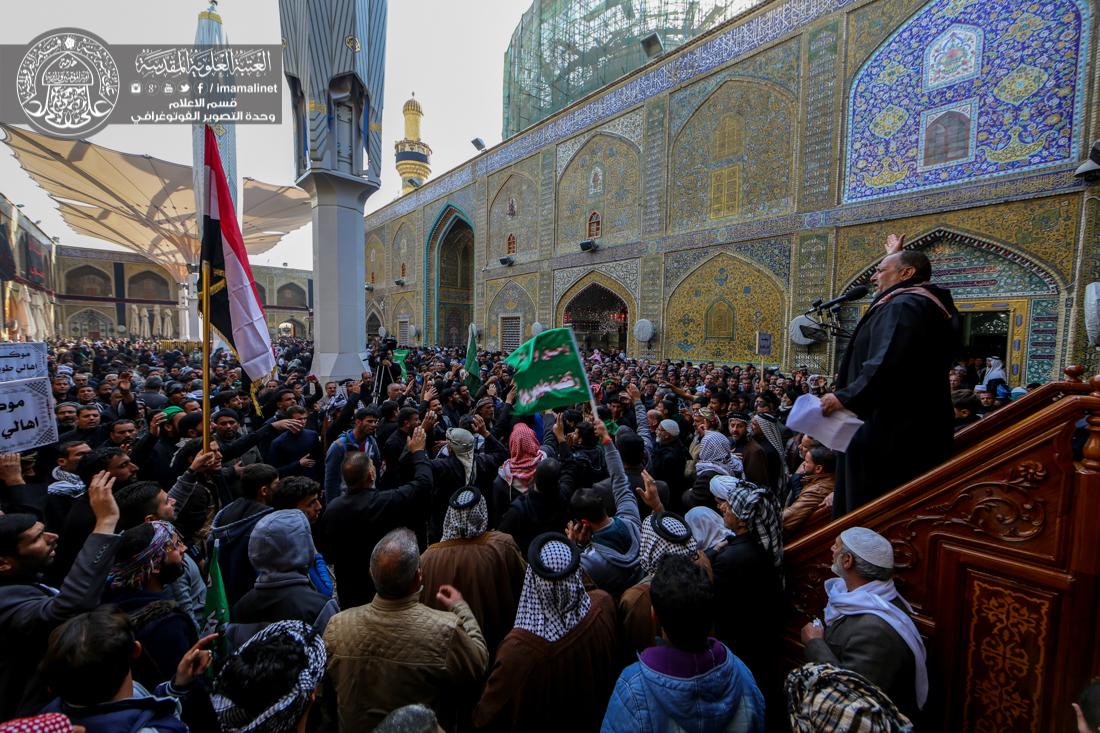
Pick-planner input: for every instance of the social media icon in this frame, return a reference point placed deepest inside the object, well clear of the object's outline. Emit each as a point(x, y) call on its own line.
point(169, 89)
point(185, 88)
point(135, 88)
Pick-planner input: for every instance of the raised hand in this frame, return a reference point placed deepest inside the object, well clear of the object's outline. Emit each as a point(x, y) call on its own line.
point(417, 440)
point(101, 497)
point(894, 243)
point(448, 596)
point(196, 661)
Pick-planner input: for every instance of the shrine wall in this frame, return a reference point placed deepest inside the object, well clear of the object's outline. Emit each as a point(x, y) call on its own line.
point(732, 182)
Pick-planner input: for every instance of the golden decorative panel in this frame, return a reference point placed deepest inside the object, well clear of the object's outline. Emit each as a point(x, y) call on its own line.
point(514, 212)
point(716, 310)
point(604, 177)
point(741, 143)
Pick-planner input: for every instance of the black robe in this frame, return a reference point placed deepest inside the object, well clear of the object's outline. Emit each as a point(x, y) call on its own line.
point(892, 377)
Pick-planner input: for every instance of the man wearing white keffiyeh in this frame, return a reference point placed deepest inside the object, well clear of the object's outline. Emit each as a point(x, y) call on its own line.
point(564, 641)
point(487, 565)
point(663, 533)
point(868, 626)
point(715, 459)
point(750, 562)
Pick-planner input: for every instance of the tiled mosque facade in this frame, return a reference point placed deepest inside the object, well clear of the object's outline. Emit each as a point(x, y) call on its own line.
point(732, 182)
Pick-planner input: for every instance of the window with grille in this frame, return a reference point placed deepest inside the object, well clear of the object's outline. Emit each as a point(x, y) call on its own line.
point(728, 137)
point(511, 247)
point(511, 333)
point(595, 225)
point(725, 192)
point(947, 139)
point(403, 332)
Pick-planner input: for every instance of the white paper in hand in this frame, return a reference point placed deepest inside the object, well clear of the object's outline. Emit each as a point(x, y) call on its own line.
point(834, 431)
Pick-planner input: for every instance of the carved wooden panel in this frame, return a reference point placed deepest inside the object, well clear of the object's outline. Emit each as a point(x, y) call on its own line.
point(1006, 651)
point(998, 553)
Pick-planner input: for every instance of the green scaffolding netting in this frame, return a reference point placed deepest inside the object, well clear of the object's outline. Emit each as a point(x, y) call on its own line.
point(564, 49)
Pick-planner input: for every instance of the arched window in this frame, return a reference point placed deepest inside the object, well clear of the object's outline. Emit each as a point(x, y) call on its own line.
point(719, 320)
point(595, 225)
point(290, 295)
point(728, 137)
point(262, 292)
point(725, 191)
point(149, 286)
point(947, 138)
point(402, 269)
point(595, 181)
point(372, 277)
point(511, 246)
point(88, 280)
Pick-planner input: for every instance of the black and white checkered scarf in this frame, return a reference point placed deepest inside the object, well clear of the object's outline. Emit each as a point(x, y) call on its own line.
point(464, 524)
point(552, 608)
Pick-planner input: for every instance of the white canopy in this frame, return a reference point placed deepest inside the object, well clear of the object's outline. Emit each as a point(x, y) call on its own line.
point(143, 203)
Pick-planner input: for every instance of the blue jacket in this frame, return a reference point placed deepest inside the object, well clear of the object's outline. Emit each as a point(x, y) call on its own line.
point(334, 460)
point(724, 699)
point(142, 713)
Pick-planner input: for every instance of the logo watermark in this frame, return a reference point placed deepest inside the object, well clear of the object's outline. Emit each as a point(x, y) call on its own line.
point(69, 83)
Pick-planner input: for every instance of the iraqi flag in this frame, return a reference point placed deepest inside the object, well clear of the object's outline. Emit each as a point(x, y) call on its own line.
point(235, 308)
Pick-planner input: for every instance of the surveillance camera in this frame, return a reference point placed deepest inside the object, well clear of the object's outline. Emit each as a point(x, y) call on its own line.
point(368, 287)
point(507, 261)
point(1090, 170)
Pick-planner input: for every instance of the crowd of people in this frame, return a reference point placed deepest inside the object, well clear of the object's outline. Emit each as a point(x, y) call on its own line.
point(404, 552)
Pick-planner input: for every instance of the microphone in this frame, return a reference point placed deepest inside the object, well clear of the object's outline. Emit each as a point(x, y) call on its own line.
point(854, 294)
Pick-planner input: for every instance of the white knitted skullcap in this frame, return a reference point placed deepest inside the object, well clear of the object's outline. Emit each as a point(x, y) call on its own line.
point(870, 546)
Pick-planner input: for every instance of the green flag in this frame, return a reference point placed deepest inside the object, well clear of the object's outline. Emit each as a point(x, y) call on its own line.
point(473, 371)
point(217, 606)
point(549, 372)
point(399, 356)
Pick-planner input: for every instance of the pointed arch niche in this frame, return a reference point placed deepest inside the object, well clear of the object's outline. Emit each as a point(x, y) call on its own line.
point(449, 276)
point(613, 288)
point(714, 312)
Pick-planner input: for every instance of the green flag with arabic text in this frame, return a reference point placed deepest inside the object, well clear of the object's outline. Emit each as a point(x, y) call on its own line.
point(473, 370)
point(549, 372)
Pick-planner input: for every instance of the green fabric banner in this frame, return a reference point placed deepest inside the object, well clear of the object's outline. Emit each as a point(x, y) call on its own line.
point(217, 607)
point(473, 370)
point(399, 356)
point(549, 372)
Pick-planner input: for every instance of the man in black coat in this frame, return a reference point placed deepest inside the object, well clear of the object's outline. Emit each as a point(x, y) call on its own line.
point(892, 377)
point(354, 523)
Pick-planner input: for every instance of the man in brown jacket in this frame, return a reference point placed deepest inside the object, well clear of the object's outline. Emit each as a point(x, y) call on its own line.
point(555, 670)
point(753, 459)
point(395, 650)
point(486, 564)
point(818, 471)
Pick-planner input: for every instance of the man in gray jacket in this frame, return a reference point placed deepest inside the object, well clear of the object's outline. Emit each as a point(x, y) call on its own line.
point(868, 627)
point(29, 609)
point(610, 544)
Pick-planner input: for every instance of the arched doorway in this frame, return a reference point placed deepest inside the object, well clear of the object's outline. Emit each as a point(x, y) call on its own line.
point(292, 327)
point(453, 295)
point(91, 324)
point(373, 324)
point(599, 318)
